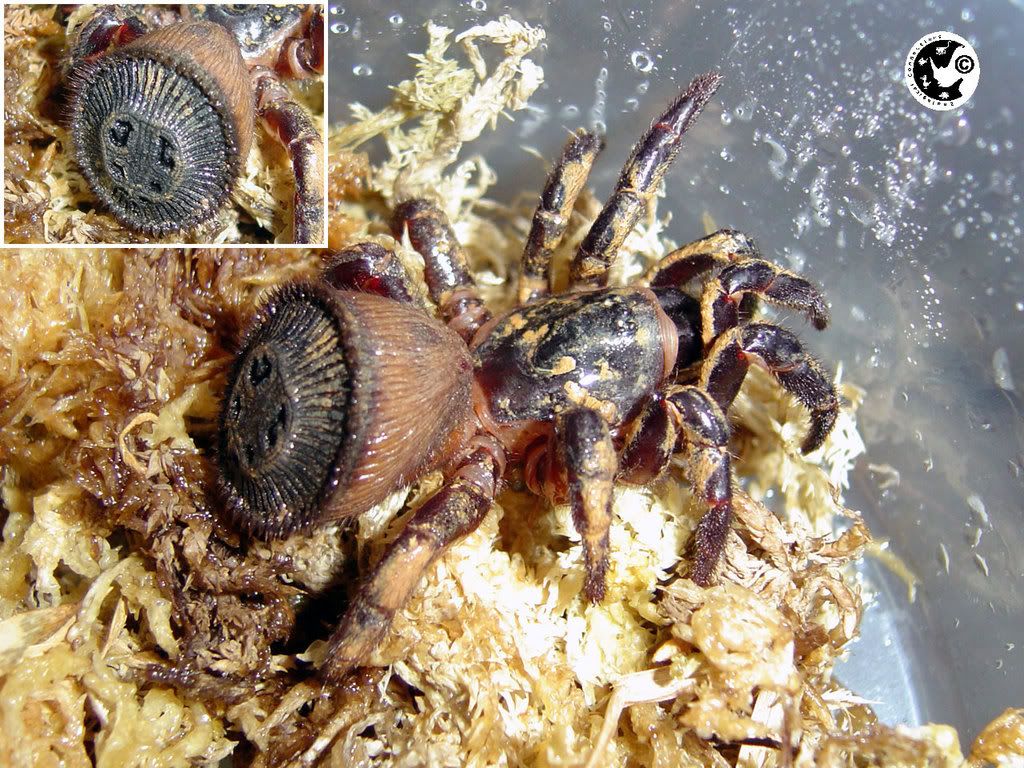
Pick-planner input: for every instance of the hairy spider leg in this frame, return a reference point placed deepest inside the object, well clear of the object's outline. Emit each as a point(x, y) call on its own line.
point(108, 27)
point(649, 443)
point(587, 454)
point(721, 311)
point(303, 55)
point(687, 420)
point(449, 281)
point(739, 273)
point(563, 186)
point(294, 128)
point(370, 268)
point(779, 351)
point(453, 512)
point(639, 181)
point(714, 251)
point(704, 442)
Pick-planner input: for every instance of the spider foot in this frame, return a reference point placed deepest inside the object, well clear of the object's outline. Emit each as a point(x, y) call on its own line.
point(780, 352)
point(720, 309)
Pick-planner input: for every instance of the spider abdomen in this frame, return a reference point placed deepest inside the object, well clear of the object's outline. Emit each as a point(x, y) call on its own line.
point(161, 127)
point(607, 349)
point(335, 400)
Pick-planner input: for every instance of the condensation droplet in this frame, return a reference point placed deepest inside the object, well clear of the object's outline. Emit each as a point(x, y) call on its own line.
point(778, 159)
point(362, 70)
point(642, 62)
point(396, 20)
point(478, 5)
point(339, 27)
point(1001, 370)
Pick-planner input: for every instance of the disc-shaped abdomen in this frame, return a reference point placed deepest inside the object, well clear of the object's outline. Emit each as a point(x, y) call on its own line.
point(606, 350)
point(335, 400)
point(162, 126)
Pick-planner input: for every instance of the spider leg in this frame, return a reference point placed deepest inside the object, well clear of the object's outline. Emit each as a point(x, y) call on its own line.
point(303, 56)
point(585, 450)
point(650, 443)
point(639, 181)
point(295, 129)
point(782, 355)
point(721, 311)
point(108, 27)
point(449, 281)
point(370, 268)
point(717, 250)
point(557, 201)
point(453, 512)
point(704, 438)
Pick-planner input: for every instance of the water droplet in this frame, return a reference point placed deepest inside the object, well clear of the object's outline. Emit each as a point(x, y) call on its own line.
point(726, 117)
point(362, 70)
point(570, 111)
point(642, 62)
point(632, 104)
point(478, 5)
point(745, 110)
point(726, 155)
point(959, 229)
point(802, 223)
point(967, 15)
point(339, 27)
point(909, 152)
point(955, 131)
point(778, 159)
point(337, 10)
point(396, 20)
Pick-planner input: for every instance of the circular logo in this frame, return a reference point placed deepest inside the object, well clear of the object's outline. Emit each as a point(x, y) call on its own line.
point(942, 70)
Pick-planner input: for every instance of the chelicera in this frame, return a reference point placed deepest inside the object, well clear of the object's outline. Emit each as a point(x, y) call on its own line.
point(163, 104)
point(345, 390)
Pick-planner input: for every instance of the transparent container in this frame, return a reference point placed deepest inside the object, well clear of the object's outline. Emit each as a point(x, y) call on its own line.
point(910, 219)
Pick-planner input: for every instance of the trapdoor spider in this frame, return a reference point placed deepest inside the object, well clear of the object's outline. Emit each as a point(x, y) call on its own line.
point(163, 103)
point(345, 390)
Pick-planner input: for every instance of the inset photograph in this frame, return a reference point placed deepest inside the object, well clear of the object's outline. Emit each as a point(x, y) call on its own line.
point(128, 124)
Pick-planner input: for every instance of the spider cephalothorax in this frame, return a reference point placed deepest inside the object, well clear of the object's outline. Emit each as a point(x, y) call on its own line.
point(581, 388)
point(163, 105)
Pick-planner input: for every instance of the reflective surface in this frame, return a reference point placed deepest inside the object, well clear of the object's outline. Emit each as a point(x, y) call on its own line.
point(910, 219)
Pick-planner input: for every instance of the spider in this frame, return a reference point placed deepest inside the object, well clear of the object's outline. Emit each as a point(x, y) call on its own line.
point(345, 389)
point(163, 101)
